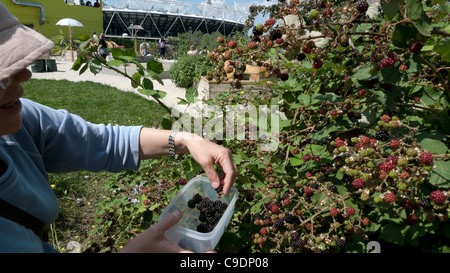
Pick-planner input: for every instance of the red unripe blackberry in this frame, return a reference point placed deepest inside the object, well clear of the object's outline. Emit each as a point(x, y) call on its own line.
point(286, 202)
point(334, 212)
point(390, 197)
point(334, 112)
point(306, 157)
point(306, 50)
point(364, 140)
point(437, 196)
point(308, 191)
point(362, 6)
point(362, 92)
point(339, 142)
point(358, 183)
point(350, 211)
point(385, 118)
point(365, 221)
point(270, 22)
point(181, 181)
point(426, 157)
point(252, 45)
point(279, 41)
point(386, 62)
point(393, 144)
point(263, 231)
point(317, 63)
point(416, 47)
point(295, 151)
point(403, 67)
point(386, 166)
point(232, 44)
point(412, 220)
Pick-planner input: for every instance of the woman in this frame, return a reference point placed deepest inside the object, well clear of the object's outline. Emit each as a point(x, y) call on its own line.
point(36, 140)
point(102, 47)
point(192, 51)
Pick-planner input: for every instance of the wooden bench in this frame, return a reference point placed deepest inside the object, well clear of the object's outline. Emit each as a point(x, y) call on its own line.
point(144, 59)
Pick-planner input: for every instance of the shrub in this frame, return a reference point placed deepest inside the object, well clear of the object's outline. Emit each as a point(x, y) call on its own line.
point(187, 70)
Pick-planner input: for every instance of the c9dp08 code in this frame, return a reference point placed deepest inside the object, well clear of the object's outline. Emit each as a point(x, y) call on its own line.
point(246, 262)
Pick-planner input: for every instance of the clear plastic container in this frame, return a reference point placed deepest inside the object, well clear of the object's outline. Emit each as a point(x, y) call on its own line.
point(184, 233)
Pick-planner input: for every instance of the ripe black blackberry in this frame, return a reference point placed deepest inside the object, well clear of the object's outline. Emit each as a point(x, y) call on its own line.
point(279, 223)
point(333, 189)
point(197, 198)
point(426, 204)
point(246, 218)
point(295, 236)
point(362, 6)
point(191, 203)
point(275, 34)
point(298, 243)
point(340, 242)
point(301, 56)
point(314, 185)
point(203, 228)
point(382, 135)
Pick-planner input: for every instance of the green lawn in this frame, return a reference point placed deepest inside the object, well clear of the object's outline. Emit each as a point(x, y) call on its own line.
point(94, 102)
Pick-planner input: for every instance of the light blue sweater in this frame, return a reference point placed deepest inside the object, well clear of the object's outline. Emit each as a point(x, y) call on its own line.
point(55, 141)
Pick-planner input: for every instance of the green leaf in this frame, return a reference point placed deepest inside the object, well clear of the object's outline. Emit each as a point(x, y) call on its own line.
point(79, 61)
point(404, 33)
point(440, 176)
point(443, 47)
point(305, 99)
point(115, 63)
point(191, 94)
point(392, 233)
point(83, 69)
point(295, 161)
point(154, 93)
point(94, 66)
point(364, 74)
point(390, 8)
point(417, 15)
point(155, 66)
point(433, 146)
point(136, 80)
point(148, 84)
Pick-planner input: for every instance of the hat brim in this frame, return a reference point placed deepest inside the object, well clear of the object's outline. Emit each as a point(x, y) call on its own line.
point(20, 46)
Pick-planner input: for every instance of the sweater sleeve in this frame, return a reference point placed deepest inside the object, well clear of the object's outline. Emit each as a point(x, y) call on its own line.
point(67, 142)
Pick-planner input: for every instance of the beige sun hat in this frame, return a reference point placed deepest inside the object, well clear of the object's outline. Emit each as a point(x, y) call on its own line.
point(20, 46)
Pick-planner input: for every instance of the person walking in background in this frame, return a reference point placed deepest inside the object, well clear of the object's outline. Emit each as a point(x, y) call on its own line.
point(205, 51)
point(145, 49)
point(192, 51)
point(95, 38)
point(102, 47)
point(162, 48)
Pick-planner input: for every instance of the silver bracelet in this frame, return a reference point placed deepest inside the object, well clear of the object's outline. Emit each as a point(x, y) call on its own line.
point(172, 144)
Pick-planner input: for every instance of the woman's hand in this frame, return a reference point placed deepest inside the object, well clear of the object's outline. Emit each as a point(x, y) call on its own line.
point(208, 154)
point(154, 143)
point(152, 240)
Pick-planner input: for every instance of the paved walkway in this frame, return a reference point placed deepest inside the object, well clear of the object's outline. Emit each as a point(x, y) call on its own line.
point(114, 79)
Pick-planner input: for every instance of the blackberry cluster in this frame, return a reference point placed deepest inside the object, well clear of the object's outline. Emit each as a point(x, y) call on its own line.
point(210, 211)
point(382, 135)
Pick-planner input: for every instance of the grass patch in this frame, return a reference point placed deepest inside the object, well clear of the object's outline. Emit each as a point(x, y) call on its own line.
point(95, 102)
point(78, 192)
